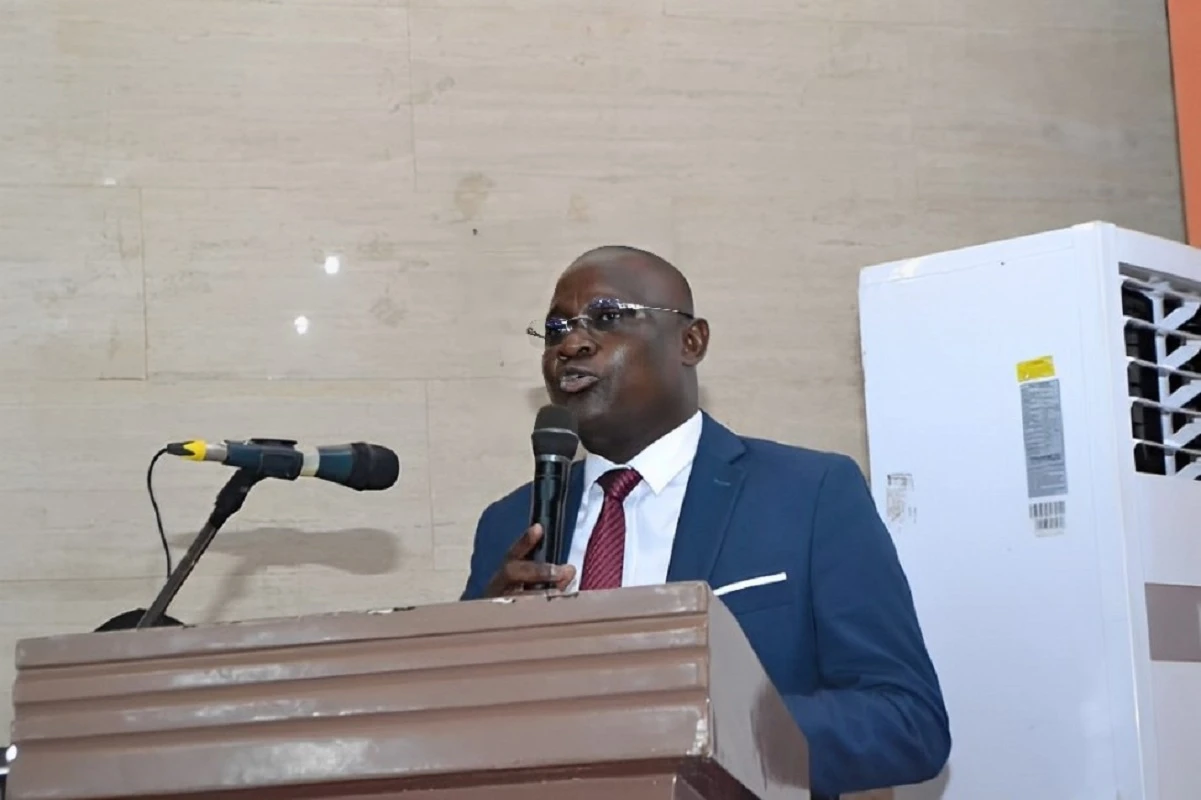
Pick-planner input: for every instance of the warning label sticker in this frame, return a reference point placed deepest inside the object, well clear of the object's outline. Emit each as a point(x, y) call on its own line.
point(1042, 429)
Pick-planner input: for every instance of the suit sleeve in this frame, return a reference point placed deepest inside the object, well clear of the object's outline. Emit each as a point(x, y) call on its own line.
point(481, 565)
point(879, 720)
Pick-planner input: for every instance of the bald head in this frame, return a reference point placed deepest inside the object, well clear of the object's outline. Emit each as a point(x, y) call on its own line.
point(660, 279)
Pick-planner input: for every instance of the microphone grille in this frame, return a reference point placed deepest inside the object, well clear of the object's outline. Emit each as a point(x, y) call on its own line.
point(555, 432)
point(375, 468)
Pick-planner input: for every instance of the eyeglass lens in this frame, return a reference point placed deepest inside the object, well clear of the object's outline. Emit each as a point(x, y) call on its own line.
point(600, 315)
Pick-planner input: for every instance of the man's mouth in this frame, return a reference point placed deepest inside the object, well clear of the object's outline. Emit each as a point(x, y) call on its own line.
point(573, 381)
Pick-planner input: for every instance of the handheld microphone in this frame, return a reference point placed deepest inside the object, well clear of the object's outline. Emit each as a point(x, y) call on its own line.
point(555, 441)
point(359, 466)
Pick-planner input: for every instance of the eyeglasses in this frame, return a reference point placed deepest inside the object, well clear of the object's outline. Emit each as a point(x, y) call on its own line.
point(600, 316)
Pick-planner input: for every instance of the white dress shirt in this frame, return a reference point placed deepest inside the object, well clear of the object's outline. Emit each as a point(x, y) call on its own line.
point(652, 509)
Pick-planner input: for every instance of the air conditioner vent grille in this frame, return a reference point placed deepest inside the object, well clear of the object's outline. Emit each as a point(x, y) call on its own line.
point(1163, 354)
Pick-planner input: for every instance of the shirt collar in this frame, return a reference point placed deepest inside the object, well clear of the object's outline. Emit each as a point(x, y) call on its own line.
point(660, 462)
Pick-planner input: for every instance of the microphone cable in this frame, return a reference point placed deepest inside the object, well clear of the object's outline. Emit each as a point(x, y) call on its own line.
point(158, 517)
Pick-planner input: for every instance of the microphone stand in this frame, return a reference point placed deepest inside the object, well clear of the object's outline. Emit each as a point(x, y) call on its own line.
point(229, 501)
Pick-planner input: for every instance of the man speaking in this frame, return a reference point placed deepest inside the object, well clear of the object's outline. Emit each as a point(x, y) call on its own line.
point(667, 493)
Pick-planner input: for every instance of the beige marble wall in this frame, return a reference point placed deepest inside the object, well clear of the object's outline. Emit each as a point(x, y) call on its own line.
point(174, 175)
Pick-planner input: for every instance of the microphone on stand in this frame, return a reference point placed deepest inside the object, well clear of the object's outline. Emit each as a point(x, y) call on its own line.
point(555, 440)
point(359, 466)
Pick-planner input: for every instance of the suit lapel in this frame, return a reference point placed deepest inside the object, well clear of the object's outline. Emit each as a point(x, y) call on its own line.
point(713, 488)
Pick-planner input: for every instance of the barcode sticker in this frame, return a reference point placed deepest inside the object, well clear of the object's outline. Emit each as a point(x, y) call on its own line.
point(1049, 516)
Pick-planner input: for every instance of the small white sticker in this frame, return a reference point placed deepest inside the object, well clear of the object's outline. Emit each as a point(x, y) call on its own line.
point(899, 499)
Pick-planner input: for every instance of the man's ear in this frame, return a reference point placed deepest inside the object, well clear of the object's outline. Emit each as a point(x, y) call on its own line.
point(696, 342)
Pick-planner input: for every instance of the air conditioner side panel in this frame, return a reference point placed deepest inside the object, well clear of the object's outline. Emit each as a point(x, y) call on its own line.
point(1014, 613)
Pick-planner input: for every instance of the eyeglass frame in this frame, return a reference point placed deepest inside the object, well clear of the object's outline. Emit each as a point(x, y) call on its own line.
point(583, 319)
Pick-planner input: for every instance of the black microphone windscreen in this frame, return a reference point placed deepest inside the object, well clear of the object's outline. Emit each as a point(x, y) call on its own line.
point(555, 432)
point(375, 467)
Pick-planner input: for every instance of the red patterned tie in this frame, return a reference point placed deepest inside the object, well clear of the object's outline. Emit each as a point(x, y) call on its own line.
point(605, 556)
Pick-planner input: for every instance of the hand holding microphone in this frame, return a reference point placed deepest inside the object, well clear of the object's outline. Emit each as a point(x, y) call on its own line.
point(535, 561)
point(520, 574)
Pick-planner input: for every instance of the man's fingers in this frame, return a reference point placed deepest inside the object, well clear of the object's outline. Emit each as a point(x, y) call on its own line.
point(531, 572)
point(517, 577)
point(519, 574)
point(566, 574)
point(526, 544)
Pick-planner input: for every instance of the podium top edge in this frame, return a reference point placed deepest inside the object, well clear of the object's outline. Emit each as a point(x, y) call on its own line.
point(439, 619)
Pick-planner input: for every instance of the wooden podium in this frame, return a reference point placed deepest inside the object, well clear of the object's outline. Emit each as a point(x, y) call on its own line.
point(634, 693)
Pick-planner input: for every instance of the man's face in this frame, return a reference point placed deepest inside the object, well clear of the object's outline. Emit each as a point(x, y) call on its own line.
point(613, 369)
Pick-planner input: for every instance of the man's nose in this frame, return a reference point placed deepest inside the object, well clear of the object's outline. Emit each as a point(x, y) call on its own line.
point(576, 344)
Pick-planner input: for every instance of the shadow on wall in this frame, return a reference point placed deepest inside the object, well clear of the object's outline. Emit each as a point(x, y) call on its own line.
point(354, 551)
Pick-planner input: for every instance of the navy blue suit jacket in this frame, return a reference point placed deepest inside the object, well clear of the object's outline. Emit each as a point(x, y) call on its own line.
point(839, 638)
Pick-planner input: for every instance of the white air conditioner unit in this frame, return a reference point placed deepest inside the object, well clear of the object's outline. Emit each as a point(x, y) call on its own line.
point(1034, 434)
